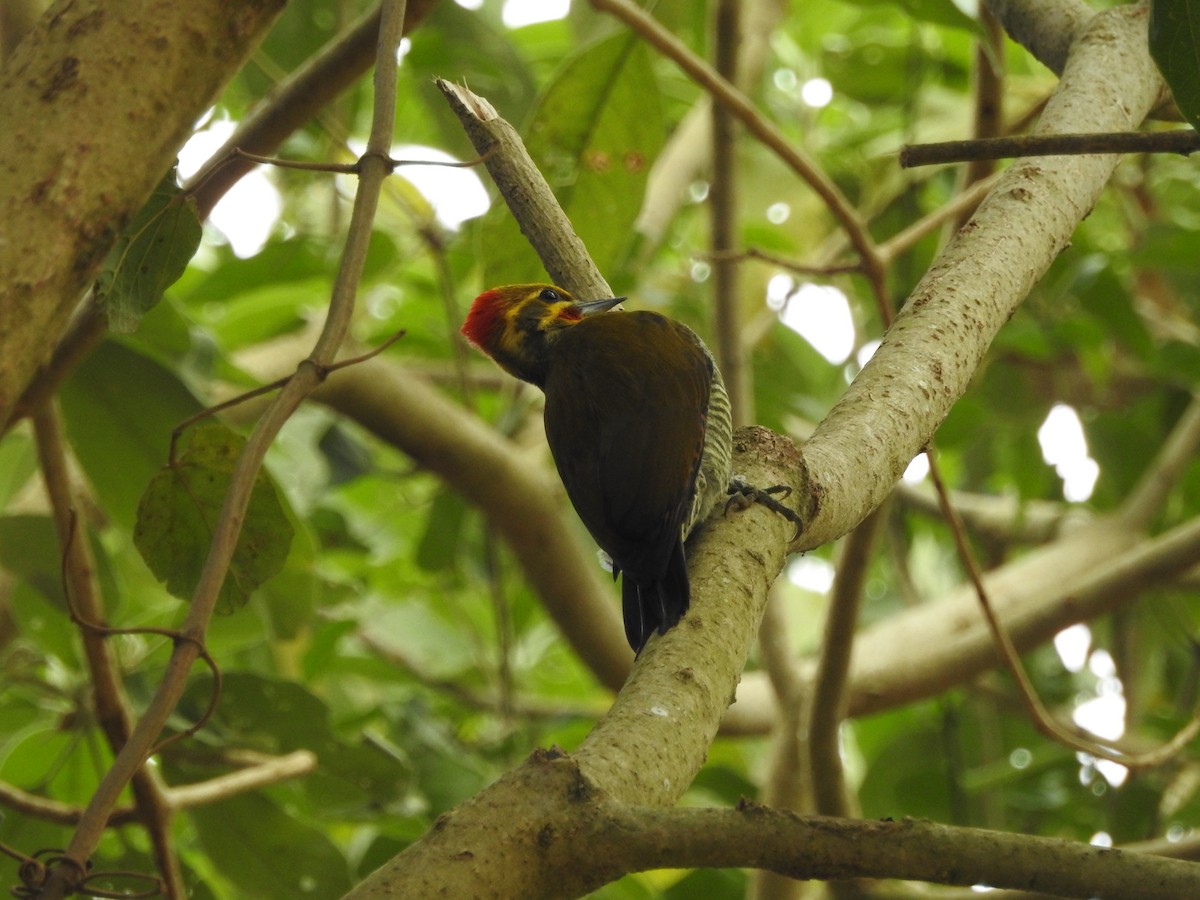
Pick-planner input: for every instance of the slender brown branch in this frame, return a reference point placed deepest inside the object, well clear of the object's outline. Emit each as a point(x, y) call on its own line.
point(785, 786)
point(83, 594)
point(740, 106)
point(527, 194)
point(1040, 717)
point(723, 218)
point(308, 376)
point(988, 92)
point(1184, 141)
point(48, 810)
point(270, 771)
point(829, 700)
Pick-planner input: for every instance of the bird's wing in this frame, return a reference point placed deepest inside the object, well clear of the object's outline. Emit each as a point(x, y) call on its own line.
point(625, 418)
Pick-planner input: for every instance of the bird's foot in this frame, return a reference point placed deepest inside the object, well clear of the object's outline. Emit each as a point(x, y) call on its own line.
point(742, 495)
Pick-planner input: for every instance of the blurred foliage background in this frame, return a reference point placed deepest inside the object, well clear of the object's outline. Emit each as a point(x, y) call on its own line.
point(400, 643)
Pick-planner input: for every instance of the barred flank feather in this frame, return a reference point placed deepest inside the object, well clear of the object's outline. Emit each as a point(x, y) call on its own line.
point(716, 460)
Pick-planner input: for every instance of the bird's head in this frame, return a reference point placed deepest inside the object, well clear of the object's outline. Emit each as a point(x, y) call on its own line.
point(514, 324)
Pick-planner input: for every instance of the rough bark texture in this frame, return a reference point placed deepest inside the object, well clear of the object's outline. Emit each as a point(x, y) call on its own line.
point(96, 101)
point(934, 348)
point(649, 747)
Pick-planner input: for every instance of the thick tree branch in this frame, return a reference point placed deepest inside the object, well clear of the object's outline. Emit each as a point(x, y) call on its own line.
point(652, 742)
point(1046, 30)
point(67, 175)
point(1089, 572)
point(293, 103)
point(551, 810)
point(932, 351)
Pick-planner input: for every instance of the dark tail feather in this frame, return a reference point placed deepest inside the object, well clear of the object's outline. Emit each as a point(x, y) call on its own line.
point(656, 606)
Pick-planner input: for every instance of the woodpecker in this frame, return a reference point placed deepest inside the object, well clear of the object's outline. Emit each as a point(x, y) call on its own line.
point(638, 421)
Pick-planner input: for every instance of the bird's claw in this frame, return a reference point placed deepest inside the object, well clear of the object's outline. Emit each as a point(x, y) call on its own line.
point(743, 494)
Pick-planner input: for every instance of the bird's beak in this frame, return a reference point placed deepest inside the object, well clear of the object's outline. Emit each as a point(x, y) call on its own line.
point(591, 307)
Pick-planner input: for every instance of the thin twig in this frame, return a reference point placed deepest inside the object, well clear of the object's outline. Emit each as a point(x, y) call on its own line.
point(297, 100)
point(1040, 717)
point(266, 389)
point(527, 194)
point(48, 810)
point(785, 786)
point(829, 700)
point(308, 375)
point(95, 629)
point(270, 771)
point(1184, 141)
point(723, 225)
point(889, 250)
point(82, 592)
point(260, 770)
point(740, 106)
point(237, 153)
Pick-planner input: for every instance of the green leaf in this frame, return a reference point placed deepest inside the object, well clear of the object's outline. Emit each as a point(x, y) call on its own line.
point(29, 550)
point(268, 853)
point(1175, 47)
point(594, 135)
point(1167, 248)
point(18, 462)
point(120, 408)
point(149, 256)
point(439, 545)
point(179, 512)
point(935, 12)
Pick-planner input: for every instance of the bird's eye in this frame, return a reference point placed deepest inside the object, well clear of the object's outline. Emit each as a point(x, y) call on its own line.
point(550, 295)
